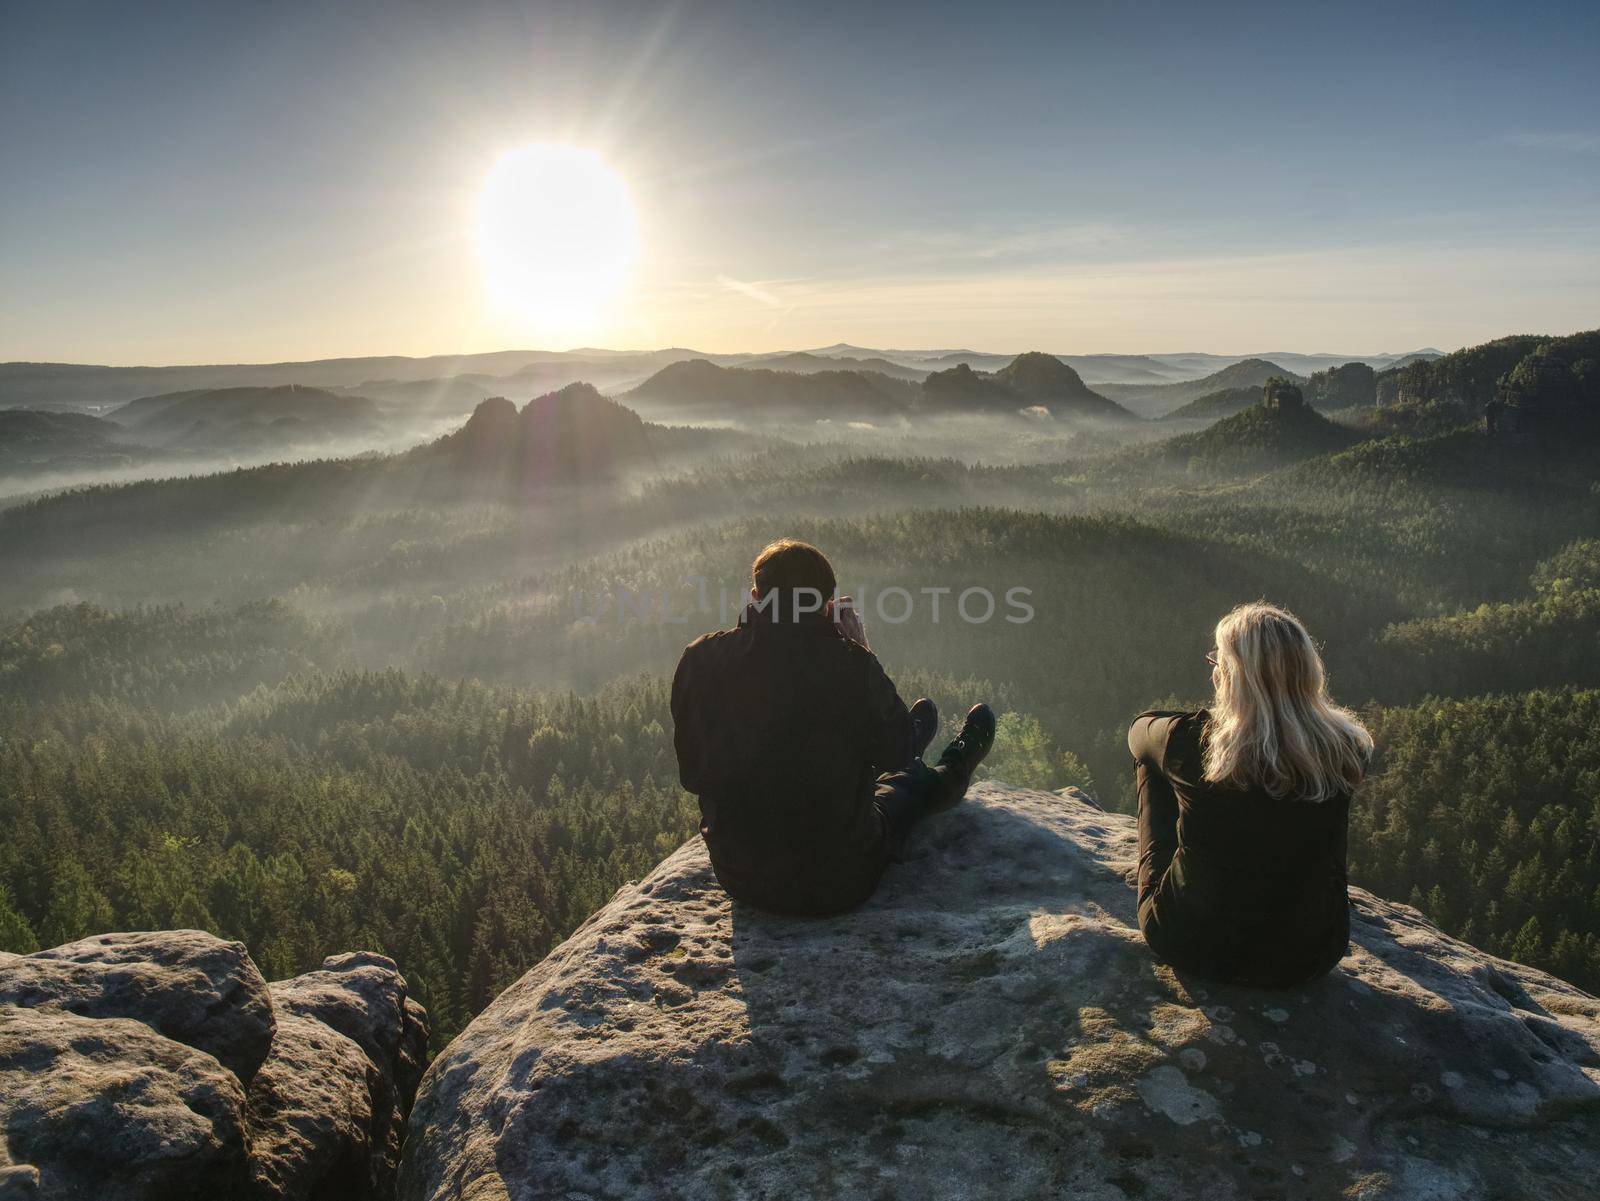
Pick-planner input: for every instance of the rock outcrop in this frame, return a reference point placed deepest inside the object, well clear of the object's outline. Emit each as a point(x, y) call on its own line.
point(960, 388)
point(186, 984)
point(1045, 380)
point(161, 1065)
point(991, 1024)
point(361, 1000)
point(563, 437)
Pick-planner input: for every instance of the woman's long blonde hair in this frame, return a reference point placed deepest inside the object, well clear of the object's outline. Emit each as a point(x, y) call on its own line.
point(1273, 724)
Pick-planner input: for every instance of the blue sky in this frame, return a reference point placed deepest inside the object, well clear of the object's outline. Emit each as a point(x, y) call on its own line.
point(226, 182)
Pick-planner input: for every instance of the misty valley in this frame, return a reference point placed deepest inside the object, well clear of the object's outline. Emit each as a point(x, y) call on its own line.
point(375, 653)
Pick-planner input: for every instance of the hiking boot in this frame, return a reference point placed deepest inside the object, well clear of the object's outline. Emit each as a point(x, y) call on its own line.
point(973, 742)
point(924, 725)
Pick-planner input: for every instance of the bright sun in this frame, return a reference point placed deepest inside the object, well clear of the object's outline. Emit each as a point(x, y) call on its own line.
point(556, 235)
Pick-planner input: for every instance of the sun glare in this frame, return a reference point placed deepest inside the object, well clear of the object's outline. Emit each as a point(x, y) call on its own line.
point(556, 235)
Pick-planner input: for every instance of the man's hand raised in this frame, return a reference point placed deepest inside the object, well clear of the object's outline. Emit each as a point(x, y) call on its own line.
point(848, 618)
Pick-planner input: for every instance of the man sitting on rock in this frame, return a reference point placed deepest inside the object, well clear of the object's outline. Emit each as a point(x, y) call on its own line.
point(807, 763)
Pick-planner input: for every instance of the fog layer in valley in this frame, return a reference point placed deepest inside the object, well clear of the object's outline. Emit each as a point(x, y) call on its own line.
point(62, 425)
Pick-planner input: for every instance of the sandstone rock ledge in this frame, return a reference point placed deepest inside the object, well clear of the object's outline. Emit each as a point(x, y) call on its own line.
point(991, 1025)
point(162, 1066)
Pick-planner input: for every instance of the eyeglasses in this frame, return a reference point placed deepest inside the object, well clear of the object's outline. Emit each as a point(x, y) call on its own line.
point(1211, 658)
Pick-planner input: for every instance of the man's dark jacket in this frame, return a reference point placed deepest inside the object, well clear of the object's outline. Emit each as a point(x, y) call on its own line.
point(782, 727)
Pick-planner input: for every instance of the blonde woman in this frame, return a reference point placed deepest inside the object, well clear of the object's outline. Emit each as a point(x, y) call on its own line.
point(1243, 810)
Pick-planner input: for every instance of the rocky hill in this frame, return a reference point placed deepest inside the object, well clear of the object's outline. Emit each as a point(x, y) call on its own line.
point(567, 436)
point(991, 1024)
point(961, 389)
point(1545, 387)
point(162, 1066)
point(1043, 379)
point(1258, 438)
point(1466, 378)
point(1347, 386)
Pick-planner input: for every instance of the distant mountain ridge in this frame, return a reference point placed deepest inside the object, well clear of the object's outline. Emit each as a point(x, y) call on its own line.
point(89, 386)
point(806, 363)
point(698, 389)
point(286, 414)
point(1156, 400)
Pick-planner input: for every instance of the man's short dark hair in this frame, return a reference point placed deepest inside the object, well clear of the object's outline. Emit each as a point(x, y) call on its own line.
point(788, 564)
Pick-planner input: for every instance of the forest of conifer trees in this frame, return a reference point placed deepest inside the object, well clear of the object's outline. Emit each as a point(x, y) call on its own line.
point(308, 709)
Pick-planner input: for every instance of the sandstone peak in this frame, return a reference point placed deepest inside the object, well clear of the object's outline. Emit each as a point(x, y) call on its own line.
point(991, 1024)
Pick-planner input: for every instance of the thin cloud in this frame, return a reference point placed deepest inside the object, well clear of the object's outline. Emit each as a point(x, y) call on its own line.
point(753, 290)
point(1571, 143)
point(988, 245)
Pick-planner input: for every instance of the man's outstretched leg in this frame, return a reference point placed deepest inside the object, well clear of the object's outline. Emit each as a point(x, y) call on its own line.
point(905, 797)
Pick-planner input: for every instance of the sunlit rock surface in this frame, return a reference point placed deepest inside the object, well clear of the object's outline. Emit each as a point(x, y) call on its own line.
point(186, 984)
point(991, 1025)
point(162, 1066)
point(361, 999)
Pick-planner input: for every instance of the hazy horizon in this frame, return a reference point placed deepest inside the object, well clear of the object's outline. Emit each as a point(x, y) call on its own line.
point(215, 184)
point(768, 350)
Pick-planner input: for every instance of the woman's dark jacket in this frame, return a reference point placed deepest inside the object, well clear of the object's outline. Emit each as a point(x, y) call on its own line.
point(1235, 883)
